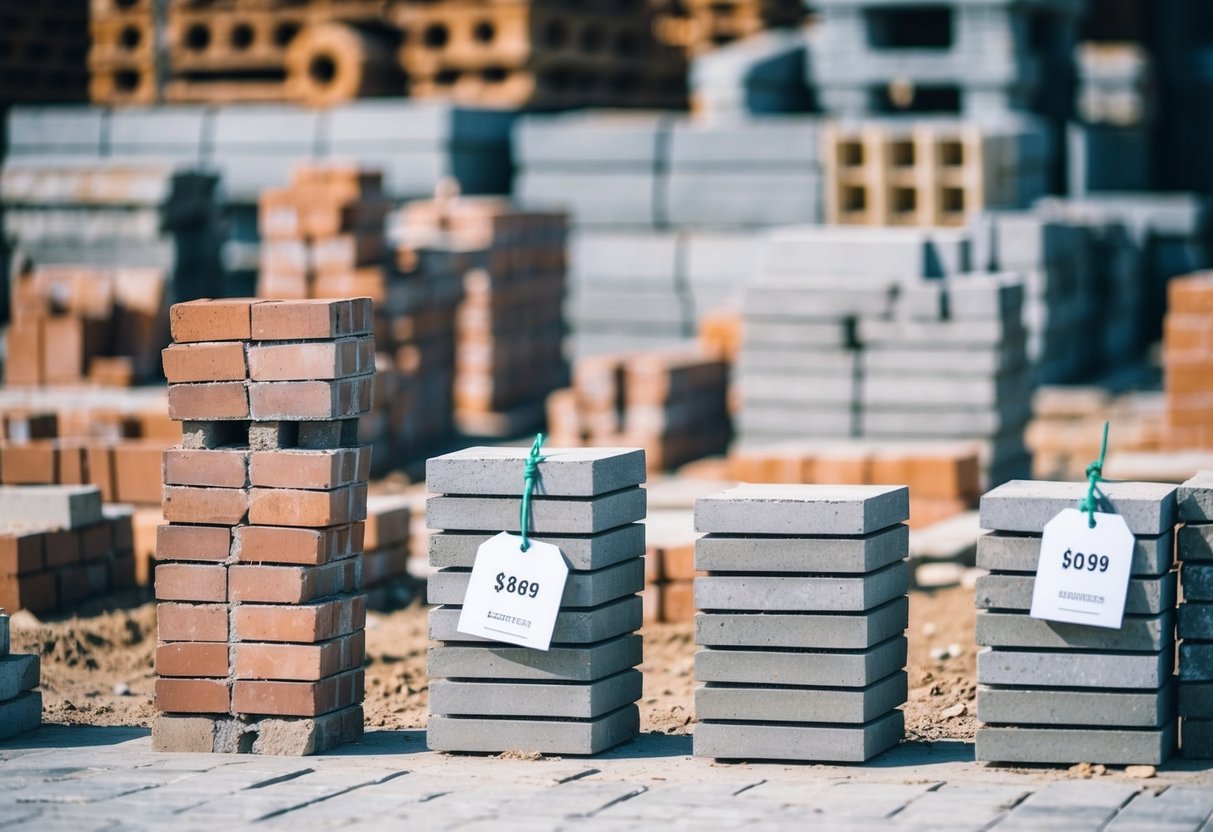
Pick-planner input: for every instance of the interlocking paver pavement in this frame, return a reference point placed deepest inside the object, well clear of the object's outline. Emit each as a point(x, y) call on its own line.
point(109, 779)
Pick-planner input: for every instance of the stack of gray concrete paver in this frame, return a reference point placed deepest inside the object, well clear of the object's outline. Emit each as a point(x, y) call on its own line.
point(764, 73)
point(1109, 146)
point(1052, 692)
point(802, 619)
point(579, 697)
point(20, 703)
point(1196, 617)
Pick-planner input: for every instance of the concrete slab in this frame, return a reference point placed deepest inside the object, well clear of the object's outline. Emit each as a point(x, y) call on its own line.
point(1003, 552)
point(1071, 669)
point(481, 735)
point(827, 510)
point(581, 589)
point(458, 549)
point(20, 715)
point(746, 703)
point(50, 506)
point(785, 593)
point(1066, 746)
point(1146, 596)
point(585, 663)
point(728, 553)
point(584, 626)
point(540, 700)
point(1138, 634)
point(564, 472)
point(749, 741)
point(1093, 709)
point(1027, 505)
point(854, 631)
point(18, 674)
point(851, 669)
point(549, 515)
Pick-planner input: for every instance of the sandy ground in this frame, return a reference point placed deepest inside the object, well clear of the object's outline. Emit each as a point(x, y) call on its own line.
point(97, 667)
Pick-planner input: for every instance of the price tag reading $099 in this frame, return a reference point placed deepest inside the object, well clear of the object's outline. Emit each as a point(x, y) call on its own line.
point(514, 596)
point(1083, 573)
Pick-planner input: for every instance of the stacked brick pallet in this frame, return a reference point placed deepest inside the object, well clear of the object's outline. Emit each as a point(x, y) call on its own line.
point(44, 47)
point(579, 696)
point(672, 403)
point(539, 54)
point(701, 26)
point(258, 582)
point(58, 547)
point(20, 702)
point(510, 325)
point(1195, 550)
point(803, 615)
point(1188, 363)
point(125, 59)
point(1066, 693)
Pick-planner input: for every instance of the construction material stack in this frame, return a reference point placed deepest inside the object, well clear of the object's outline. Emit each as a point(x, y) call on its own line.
point(701, 26)
point(20, 701)
point(579, 696)
point(1195, 550)
point(260, 612)
point(1188, 363)
point(802, 620)
point(125, 58)
point(46, 51)
point(1052, 692)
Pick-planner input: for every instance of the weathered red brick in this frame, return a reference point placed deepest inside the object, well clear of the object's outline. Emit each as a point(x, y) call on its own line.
point(192, 659)
point(192, 622)
point(295, 507)
point(323, 469)
point(258, 583)
point(202, 543)
point(220, 468)
point(208, 361)
point(299, 624)
point(212, 320)
point(191, 582)
point(193, 696)
point(299, 662)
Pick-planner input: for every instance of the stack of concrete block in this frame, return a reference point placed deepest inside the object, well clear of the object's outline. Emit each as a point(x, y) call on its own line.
point(1109, 147)
point(972, 56)
point(58, 547)
point(386, 556)
point(20, 701)
point(763, 73)
point(1195, 548)
point(510, 325)
point(803, 615)
point(1188, 363)
point(579, 696)
point(322, 233)
point(1052, 692)
point(260, 615)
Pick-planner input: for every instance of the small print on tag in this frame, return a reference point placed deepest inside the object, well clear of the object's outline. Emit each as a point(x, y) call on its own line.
point(514, 596)
point(1083, 573)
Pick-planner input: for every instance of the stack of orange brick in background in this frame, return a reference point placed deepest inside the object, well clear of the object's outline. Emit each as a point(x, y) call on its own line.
point(944, 478)
point(59, 547)
point(258, 581)
point(45, 48)
point(1188, 362)
point(543, 54)
point(123, 60)
point(386, 543)
point(510, 325)
point(1067, 427)
point(699, 26)
point(671, 403)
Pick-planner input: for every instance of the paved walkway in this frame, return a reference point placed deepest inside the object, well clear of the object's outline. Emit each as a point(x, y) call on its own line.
point(108, 778)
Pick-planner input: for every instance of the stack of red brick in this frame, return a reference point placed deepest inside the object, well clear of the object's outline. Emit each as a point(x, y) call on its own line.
point(59, 547)
point(385, 563)
point(72, 324)
point(669, 581)
point(671, 403)
point(510, 326)
point(1188, 362)
point(258, 582)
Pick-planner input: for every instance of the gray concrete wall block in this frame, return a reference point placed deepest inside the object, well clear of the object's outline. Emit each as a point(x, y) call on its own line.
point(1196, 661)
point(572, 664)
point(1195, 621)
point(523, 699)
point(20, 715)
point(1072, 669)
point(997, 552)
point(495, 736)
point(1137, 634)
point(854, 631)
point(1146, 596)
point(1089, 709)
point(850, 555)
point(581, 589)
point(564, 472)
point(1195, 699)
point(815, 743)
point(1065, 746)
point(1027, 505)
point(1197, 579)
point(853, 669)
point(1194, 541)
point(573, 627)
point(583, 552)
point(731, 703)
point(18, 674)
point(549, 515)
point(50, 506)
point(834, 510)
point(1195, 498)
point(761, 593)
point(1196, 739)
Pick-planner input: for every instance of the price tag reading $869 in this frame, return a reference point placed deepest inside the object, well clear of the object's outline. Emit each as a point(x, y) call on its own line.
point(514, 596)
point(1083, 573)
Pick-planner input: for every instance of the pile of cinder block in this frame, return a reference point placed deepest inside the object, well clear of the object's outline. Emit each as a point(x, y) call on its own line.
point(1052, 692)
point(59, 547)
point(803, 615)
point(1188, 363)
point(260, 614)
point(20, 701)
point(672, 403)
point(1196, 617)
point(578, 697)
point(510, 325)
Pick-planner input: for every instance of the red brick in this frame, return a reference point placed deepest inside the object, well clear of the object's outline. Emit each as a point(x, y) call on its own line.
point(250, 583)
point(1191, 294)
point(191, 582)
point(301, 320)
point(24, 353)
point(310, 509)
point(66, 349)
point(95, 541)
point(99, 459)
point(21, 552)
point(203, 543)
point(29, 463)
point(302, 624)
point(192, 622)
point(192, 659)
point(221, 468)
point(342, 358)
point(209, 361)
point(203, 402)
point(212, 320)
point(678, 601)
point(70, 463)
point(298, 698)
point(205, 506)
point(306, 547)
point(387, 521)
point(36, 592)
point(678, 563)
point(299, 662)
point(309, 400)
point(138, 476)
point(193, 696)
point(324, 469)
point(63, 547)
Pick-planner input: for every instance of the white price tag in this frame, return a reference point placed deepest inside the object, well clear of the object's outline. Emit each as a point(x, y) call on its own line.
point(514, 596)
point(1083, 573)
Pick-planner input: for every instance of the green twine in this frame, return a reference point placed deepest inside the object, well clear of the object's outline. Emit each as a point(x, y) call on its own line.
point(529, 472)
point(1094, 475)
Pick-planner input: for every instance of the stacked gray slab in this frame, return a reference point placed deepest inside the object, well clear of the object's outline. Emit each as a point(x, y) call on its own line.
point(20, 702)
point(952, 364)
point(1109, 146)
point(1195, 550)
point(764, 73)
point(802, 618)
point(1058, 693)
point(579, 697)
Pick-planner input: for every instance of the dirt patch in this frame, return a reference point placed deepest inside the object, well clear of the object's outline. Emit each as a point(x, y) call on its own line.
point(97, 668)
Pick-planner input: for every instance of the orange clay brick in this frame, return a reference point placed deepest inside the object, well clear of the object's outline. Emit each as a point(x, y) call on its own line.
point(21, 552)
point(212, 320)
point(200, 543)
point(678, 563)
point(192, 659)
point(192, 622)
point(323, 469)
point(299, 624)
point(322, 360)
point(310, 509)
point(299, 662)
point(298, 698)
point(193, 696)
point(287, 545)
point(301, 320)
point(204, 402)
point(29, 463)
point(205, 506)
point(209, 361)
point(221, 468)
point(678, 601)
point(263, 584)
point(191, 582)
point(137, 471)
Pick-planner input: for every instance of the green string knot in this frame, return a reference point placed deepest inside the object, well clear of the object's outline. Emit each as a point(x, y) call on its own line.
point(1094, 476)
point(530, 472)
